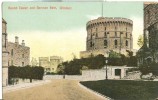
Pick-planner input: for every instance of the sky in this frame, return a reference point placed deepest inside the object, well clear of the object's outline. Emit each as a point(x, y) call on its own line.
point(62, 32)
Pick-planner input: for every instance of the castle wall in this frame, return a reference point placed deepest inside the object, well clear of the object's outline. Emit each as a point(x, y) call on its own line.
point(107, 33)
point(151, 24)
point(109, 29)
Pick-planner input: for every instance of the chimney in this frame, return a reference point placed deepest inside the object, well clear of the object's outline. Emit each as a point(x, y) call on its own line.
point(16, 40)
point(23, 43)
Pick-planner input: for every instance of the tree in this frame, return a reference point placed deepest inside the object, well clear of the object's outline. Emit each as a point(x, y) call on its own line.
point(26, 72)
point(131, 60)
point(140, 41)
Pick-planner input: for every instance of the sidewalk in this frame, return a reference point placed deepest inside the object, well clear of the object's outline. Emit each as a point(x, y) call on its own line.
point(11, 88)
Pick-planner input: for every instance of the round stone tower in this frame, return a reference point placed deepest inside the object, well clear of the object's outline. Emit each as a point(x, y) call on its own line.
point(109, 33)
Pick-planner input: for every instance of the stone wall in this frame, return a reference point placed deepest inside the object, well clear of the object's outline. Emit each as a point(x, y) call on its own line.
point(108, 33)
point(93, 74)
point(133, 75)
point(109, 29)
point(85, 54)
point(19, 55)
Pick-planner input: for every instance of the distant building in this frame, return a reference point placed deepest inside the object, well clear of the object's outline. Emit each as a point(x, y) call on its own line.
point(19, 54)
point(148, 53)
point(107, 33)
point(50, 65)
point(34, 62)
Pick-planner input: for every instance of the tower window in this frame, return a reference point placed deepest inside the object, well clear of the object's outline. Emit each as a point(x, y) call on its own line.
point(115, 34)
point(126, 35)
point(96, 29)
point(126, 43)
point(105, 34)
point(115, 43)
point(96, 34)
point(12, 52)
point(105, 43)
point(91, 44)
point(105, 28)
point(22, 64)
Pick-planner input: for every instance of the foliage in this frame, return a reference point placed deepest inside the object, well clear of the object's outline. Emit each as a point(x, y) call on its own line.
point(125, 89)
point(26, 72)
point(51, 73)
point(140, 41)
point(149, 68)
point(131, 60)
point(132, 69)
point(144, 69)
point(154, 68)
point(73, 67)
point(60, 69)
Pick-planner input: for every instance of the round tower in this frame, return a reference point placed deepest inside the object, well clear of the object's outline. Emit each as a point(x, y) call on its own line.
point(109, 33)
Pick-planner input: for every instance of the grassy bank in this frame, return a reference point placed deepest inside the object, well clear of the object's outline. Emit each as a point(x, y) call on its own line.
point(125, 89)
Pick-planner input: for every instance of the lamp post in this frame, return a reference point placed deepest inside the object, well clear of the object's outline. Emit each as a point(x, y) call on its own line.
point(106, 62)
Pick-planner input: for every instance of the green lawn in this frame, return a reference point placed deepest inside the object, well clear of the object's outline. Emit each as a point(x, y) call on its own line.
point(125, 89)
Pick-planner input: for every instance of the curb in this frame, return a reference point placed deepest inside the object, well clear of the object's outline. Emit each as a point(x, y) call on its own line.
point(24, 86)
point(95, 92)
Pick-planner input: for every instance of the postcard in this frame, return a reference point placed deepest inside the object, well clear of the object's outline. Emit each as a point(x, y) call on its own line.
point(80, 50)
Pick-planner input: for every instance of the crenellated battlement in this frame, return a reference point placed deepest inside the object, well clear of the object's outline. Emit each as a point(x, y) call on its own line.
point(108, 20)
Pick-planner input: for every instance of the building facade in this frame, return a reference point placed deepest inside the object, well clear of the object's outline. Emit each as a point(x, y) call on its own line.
point(5, 54)
point(107, 33)
point(149, 51)
point(19, 54)
point(13, 54)
point(50, 65)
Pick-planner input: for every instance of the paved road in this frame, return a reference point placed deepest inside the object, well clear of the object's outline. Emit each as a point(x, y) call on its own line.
point(55, 90)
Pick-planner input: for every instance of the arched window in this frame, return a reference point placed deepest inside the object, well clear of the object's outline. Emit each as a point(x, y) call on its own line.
point(105, 34)
point(91, 44)
point(115, 42)
point(12, 52)
point(96, 29)
point(126, 34)
point(126, 43)
point(105, 43)
point(96, 34)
